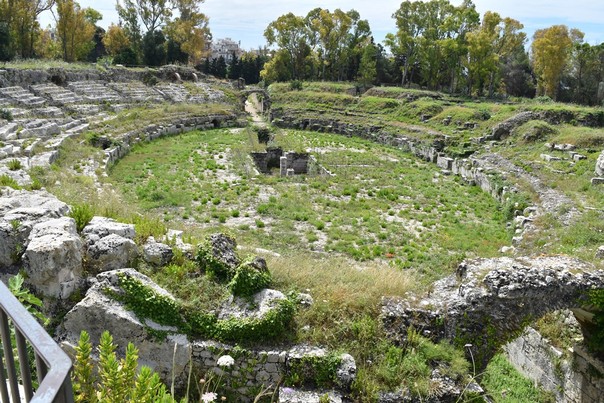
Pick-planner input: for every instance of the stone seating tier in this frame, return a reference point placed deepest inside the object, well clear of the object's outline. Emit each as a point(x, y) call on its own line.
point(135, 91)
point(20, 96)
point(56, 94)
point(94, 91)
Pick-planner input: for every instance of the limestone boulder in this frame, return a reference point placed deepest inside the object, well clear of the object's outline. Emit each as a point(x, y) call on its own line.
point(100, 227)
point(157, 253)
point(20, 210)
point(600, 165)
point(111, 252)
point(40, 201)
point(224, 249)
point(53, 258)
point(98, 312)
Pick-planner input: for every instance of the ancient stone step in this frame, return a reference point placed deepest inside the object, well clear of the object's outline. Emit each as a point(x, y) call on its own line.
point(135, 91)
point(173, 92)
point(94, 91)
point(49, 112)
point(84, 109)
point(56, 94)
point(40, 128)
point(8, 129)
point(20, 96)
point(44, 159)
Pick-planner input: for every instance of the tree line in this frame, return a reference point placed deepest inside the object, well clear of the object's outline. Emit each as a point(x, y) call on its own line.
point(436, 45)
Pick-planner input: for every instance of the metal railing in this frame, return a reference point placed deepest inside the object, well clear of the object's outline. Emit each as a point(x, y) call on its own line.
point(53, 366)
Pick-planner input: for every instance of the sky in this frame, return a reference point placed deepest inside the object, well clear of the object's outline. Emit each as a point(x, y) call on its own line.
point(246, 20)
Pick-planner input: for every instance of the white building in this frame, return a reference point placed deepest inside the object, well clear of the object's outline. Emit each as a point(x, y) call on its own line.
point(225, 47)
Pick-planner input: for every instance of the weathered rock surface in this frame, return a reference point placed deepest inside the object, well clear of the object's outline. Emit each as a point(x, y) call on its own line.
point(100, 227)
point(261, 303)
point(224, 249)
point(291, 395)
point(20, 210)
point(53, 258)
point(490, 300)
point(98, 312)
point(504, 128)
point(157, 253)
point(112, 252)
point(600, 165)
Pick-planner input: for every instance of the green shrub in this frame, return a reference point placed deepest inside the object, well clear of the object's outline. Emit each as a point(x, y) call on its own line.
point(32, 303)
point(210, 264)
point(295, 85)
point(6, 180)
point(248, 280)
point(82, 214)
point(317, 371)
point(146, 227)
point(6, 114)
point(114, 380)
point(14, 165)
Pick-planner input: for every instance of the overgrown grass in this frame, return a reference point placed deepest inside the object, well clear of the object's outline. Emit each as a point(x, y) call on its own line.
point(394, 208)
point(505, 385)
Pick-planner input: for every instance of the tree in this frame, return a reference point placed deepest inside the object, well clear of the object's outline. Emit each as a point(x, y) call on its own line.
point(368, 67)
point(220, 68)
point(550, 50)
point(290, 33)
point(431, 38)
point(234, 68)
point(21, 17)
point(129, 22)
point(404, 43)
point(154, 51)
point(277, 68)
point(190, 30)
point(115, 40)
point(329, 31)
point(6, 52)
point(75, 30)
point(488, 46)
point(517, 74)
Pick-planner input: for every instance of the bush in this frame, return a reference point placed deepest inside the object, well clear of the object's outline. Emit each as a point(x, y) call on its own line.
point(6, 114)
point(248, 280)
point(295, 85)
point(114, 380)
point(210, 264)
point(82, 214)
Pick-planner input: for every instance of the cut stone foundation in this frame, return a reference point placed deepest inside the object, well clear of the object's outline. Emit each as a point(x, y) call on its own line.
point(289, 163)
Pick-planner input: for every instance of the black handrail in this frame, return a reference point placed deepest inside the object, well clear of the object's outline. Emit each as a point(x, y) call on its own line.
point(53, 366)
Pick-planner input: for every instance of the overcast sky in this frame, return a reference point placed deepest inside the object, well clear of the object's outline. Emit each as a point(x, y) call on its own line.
point(245, 20)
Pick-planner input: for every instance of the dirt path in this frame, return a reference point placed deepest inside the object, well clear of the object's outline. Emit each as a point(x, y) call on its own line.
point(252, 110)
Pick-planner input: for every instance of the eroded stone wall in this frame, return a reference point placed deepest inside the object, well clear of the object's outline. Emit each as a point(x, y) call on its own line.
point(578, 378)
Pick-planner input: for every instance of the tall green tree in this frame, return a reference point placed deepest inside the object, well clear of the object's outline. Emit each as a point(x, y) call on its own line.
point(551, 49)
point(76, 29)
point(290, 33)
point(488, 46)
point(368, 68)
point(404, 44)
